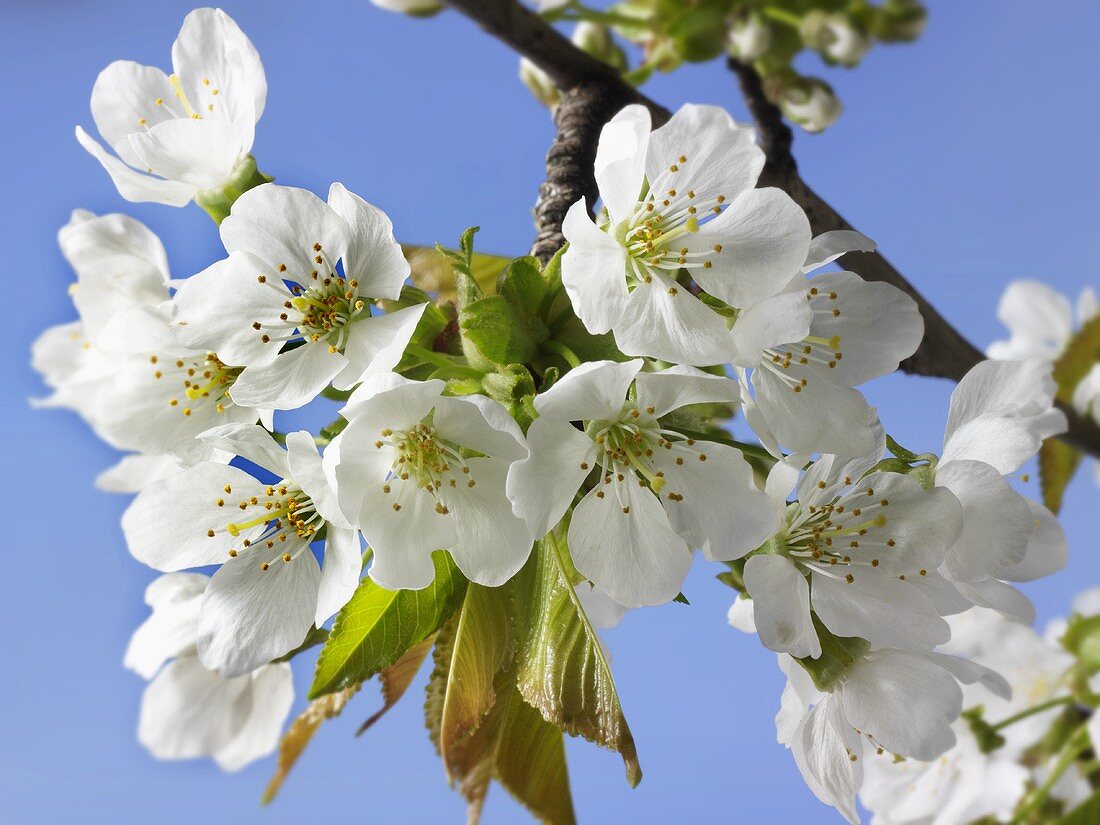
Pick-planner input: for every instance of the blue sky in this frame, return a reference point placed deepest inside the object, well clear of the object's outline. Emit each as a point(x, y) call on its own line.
point(970, 157)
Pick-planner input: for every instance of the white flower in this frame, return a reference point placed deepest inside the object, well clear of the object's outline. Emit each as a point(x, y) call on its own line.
point(419, 472)
point(680, 198)
point(188, 711)
point(1040, 320)
point(965, 784)
point(810, 344)
point(835, 37)
point(654, 494)
point(891, 701)
point(861, 549)
point(811, 104)
point(304, 273)
point(188, 130)
point(1000, 413)
point(269, 591)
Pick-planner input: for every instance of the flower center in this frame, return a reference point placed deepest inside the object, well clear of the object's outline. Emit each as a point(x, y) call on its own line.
point(824, 536)
point(205, 380)
point(288, 515)
point(665, 215)
point(320, 306)
point(429, 462)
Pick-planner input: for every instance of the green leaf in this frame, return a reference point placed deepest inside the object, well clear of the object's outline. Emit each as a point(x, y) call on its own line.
point(523, 286)
point(396, 678)
point(499, 332)
point(561, 668)
point(1057, 463)
point(377, 626)
point(838, 655)
point(480, 648)
point(300, 733)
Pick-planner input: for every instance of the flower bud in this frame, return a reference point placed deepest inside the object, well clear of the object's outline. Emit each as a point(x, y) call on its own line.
point(596, 40)
point(899, 21)
point(414, 8)
point(835, 37)
point(810, 103)
point(539, 84)
point(749, 37)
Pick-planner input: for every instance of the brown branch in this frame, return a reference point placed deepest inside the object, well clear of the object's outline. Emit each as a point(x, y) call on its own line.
point(600, 91)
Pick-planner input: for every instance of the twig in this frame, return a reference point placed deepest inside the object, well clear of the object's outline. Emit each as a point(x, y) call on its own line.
point(944, 352)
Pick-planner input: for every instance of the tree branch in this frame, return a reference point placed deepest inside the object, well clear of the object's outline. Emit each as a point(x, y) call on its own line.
point(598, 91)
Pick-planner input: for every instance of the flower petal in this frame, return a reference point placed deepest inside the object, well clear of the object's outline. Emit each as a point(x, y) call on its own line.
point(596, 390)
point(659, 393)
point(292, 380)
point(781, 599)
point(272, 695)
point(829, 757)
point(542, 486)
point(828, 246)
point(253, 443)
point(780, 319)
point(200, 153)
point(132, 184)
point(373, 257)
point(343, 565)
point(620, 161)
point(375, 345)
point(173, 626)
point(668, 322)
point(593, 271)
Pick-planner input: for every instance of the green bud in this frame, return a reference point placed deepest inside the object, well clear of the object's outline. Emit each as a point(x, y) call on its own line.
point(539, 84)
point(413, 8)
point(749, 36)
point(899, 21)
point(810, 103)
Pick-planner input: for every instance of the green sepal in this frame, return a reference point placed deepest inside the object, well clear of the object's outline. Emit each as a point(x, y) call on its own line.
point(985, 734)
point(218, 201)
point(838, 655)
point(522, 284)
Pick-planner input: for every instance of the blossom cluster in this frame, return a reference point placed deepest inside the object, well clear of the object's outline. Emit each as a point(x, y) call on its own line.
point(583, 402)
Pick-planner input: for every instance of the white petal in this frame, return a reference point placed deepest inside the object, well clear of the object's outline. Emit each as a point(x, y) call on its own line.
point(969, 673)
point(764, 237)
point(253, 443)
point(375, 345)
point(124, 100)
point(1047, 549)
point(828, 246)
point(714, 155)
point(173, 626)
point(403, 540)
point(603, 612)
point(1002, 597)
point(718, 509)
point(211, 52)
point(823, 747)
point(659, 393)
point(620, 161)
point(1000, 413)
point(879, 608)
point(217, 309)
point(668, 322)
point(133, 185)
point(305, 467)
point(340, 573)
point(280, 225)
point(166, 525)
point(878, 326)
point(879, 698)
point(135, 472)
point(780, 319)
point(373, 257)
point(594, 391)
point(492, 543)
point(742, 614)
point(593, 271)
point(1034, 310)
point(822, 417)
point(188, 711)
point(782, 606)
point(633, 555)
point(388, 400)
point(997, 521)
point(542, 486)
point(251, 615)
point(199, 153)
point(292, 380)
point(465, 422)
point(272, 693)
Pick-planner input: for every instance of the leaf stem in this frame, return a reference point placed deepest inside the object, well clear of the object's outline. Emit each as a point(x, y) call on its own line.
point(751, 449)
point(1074, 747)
point(561, 349)
point(1032, 711)
point(430, 356)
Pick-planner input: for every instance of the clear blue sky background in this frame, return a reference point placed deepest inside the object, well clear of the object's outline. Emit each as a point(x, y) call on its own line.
point(971, 157)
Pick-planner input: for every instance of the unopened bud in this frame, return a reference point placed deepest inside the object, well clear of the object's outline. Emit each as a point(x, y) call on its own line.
point(539, 83)
point(810, 103)
point(899, 21)
point(835, 37)
point(749, 37)
point(415, 8)
point(596, 40)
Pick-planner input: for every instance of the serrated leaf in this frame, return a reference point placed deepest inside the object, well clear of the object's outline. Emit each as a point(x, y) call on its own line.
point(500, 333)
point(431, 270)
point(396, 678)
point(1057, 463)
point(522, 285)
point(300, 733)
point(562, 670)
point(377, 626)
